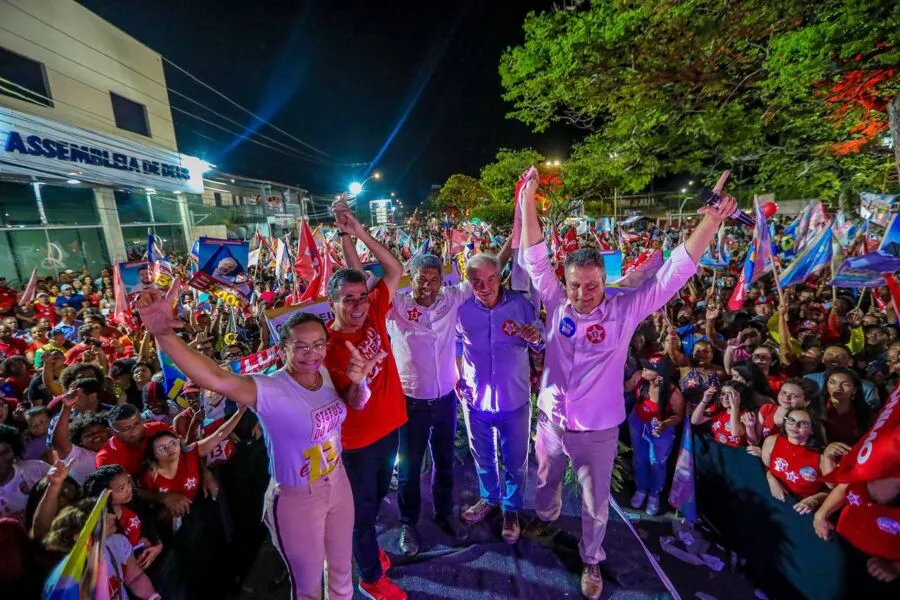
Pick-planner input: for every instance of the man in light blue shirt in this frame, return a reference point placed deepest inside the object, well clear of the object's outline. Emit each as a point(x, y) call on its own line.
point(495, 330)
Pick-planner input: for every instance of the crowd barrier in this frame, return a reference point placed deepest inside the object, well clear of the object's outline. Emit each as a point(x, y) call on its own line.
point(784, 556)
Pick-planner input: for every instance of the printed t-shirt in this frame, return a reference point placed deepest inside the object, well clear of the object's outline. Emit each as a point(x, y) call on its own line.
point(130, 458)
point(797, 467)
point(871, 527)
point(767, 419)
point(14, 493)
point(721, 430)
point(301, 427)
point(386, 409)
point(186, 480)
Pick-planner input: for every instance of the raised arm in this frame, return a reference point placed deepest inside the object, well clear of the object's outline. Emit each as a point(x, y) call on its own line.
point(531, 225)
point(207, 444)
point(351, 257)
point(158, 317)
point(703, 234)
point(504, 254)
point(347, 221)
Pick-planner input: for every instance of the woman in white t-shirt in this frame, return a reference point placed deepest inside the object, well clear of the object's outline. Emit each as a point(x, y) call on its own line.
point(17, 476)
point(309, 503)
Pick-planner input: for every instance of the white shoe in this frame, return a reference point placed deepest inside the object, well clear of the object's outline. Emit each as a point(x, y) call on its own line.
point(637, 500)
point(653, 505)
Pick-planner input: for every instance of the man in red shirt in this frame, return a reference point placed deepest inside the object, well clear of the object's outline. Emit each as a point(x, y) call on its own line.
point(44, 309)
point(9, 345)
point(369, 435)
point(128, 443)
point(7, 298)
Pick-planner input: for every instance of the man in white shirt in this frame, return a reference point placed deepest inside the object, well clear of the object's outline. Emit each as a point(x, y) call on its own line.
point(422, 327)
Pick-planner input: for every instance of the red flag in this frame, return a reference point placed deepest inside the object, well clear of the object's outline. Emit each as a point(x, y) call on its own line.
point(28, 295)
point(319, 281)
point(122, 311)
point(306, 248)
point(457, 242)
point(570, 242)
point(894, 289)
point(877, 454)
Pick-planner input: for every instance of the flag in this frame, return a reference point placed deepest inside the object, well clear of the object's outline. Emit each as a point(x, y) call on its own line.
point(787, 246)
point(27, 297)
point(306, 253)
point(894, 290)
point(814, 257)
point(423, 249)
point(457, 242)
point(682, 495)
point(756, 264)
point(518, 277)
point(173, 378)
point(802, 226)
point(890, 243)
point(877, 453)
point(195, 250)
point(80, 573)
point(264, 361)
point(817, 222)
point(160, 268)
point(322, 266)
point(866, 271)
point(570, 242)
point(122, 312)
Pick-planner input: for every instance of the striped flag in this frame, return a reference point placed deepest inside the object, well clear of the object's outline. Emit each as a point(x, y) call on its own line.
point(81, 573)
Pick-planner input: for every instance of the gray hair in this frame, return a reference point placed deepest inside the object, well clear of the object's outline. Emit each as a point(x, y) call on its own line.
point(424, 261)
point(477, 261)
point(342, 276)
point(586, 257)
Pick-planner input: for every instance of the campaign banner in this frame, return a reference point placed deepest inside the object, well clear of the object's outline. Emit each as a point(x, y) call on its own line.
point(173, 379)
point(222, 270)
point(612, 264)
point(890, 243)
point(878, 208)
point(320, 307)
point(866, 271)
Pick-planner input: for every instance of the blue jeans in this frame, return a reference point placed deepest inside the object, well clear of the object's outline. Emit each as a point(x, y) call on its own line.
point(431, 423)
point(650, 454)
point(514, 429)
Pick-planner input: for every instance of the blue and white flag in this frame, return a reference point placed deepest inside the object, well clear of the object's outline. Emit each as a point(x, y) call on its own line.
point(813, 258)
point(890, 243)
point(682, 496)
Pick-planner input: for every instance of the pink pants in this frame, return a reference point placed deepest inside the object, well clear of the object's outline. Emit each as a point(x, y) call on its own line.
point(593, 454)
point(312, 525)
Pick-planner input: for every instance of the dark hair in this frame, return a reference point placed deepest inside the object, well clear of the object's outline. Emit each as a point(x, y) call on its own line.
point(121, 367)
point(142, 363)
point(860, 408)
point(149, 454)
point(85, 330)
point(806, 386)
point(745, 394)
point(284, 332)
point(754, 377)
point(83, 422)
point(66, 525)
point(88, 385)
point(10, 435)
point(101, 479)
point(5, 369)
point(73, 372)
point(120, 412)
point(585, 257)
point(37, 410)
point(342, 276)
point(816, 439)
point(37, 493)
point(667, 368)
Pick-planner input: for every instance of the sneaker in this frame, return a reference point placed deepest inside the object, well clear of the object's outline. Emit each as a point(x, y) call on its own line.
point(383, 589)
point(637, 500)
point(479, 511)
point(536, 528)
point(384, 559)
point(510, 527)
point(653, 505)
point(409, 540)
point(591, 582)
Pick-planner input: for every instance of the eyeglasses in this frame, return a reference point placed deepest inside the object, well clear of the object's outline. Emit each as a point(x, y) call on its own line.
point(354, 301)
point(129, 428)
point(796, 423)
point(170, 445)
point(301, 348)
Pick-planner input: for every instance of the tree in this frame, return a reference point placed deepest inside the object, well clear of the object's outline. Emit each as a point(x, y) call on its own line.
point(461, 193)
point(498, 215)
point(500, 177)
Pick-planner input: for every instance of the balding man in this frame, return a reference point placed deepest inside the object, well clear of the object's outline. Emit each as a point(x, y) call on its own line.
point(581, 400)
point(496, 328)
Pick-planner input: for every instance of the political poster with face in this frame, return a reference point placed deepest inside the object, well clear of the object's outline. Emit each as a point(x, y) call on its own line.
point(136, 277)
point(222, 270)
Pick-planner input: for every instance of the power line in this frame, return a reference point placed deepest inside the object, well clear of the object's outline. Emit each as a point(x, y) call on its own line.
point(163, 85)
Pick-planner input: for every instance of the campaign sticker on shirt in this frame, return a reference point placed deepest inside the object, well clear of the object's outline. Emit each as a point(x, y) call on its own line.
point(413, 314)
point(888, 525)
point(510, 327)
point(808, 473)
point(567, 327)
point(595, 334)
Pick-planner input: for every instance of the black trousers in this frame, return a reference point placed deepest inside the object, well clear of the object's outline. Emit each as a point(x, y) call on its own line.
point(369, 470)
point(431, 422)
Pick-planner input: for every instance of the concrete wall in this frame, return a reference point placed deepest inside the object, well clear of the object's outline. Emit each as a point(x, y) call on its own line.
point(110, 61)
point(213, 231)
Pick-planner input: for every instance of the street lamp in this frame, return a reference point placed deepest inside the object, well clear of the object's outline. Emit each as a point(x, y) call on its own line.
point(356, 187)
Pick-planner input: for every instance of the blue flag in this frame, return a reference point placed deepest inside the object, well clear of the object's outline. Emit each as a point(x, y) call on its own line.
point(890, 243)
point(682, 496)
point(815, 256)
point(786, 248)
point(865, 271)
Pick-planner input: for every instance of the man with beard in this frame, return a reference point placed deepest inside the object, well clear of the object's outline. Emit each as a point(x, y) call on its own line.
point(370, 435)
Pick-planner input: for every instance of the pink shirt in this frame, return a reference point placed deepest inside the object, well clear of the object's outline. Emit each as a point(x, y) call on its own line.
point(582, 383)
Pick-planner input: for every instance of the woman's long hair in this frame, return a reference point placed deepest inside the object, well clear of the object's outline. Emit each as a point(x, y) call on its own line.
point(816, 439)
point(754, 377)
point(858, 401)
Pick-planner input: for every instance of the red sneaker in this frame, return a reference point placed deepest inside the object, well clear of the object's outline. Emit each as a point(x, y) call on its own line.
point(385, 561)
point(383, 589)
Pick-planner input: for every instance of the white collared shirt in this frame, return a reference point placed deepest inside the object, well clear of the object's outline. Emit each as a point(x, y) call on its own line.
point(424, 341)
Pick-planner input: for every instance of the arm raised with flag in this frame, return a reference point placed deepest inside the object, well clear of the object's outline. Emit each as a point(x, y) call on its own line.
point(348, 223)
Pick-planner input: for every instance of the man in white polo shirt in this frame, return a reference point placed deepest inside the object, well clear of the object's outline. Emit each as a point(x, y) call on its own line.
point(581, 400)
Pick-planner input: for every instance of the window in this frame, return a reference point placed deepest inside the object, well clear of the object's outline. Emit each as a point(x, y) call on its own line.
point(133, 208)
point(69, 205)
point(130, 115)
point(28, 79)
point(218, 198)
point(18, 204)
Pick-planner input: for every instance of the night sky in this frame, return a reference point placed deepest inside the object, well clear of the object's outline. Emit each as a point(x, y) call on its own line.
point(412, 86)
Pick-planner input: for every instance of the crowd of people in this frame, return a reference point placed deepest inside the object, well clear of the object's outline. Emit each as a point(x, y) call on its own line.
point(305, 455)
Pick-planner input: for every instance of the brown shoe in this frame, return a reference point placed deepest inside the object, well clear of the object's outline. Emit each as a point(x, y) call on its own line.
point(591, 582)
point(511, 527)
point(478, 512)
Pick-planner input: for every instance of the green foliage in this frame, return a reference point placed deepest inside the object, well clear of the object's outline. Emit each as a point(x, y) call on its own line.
point(500, 177)
point(664, 88)
point(461, 193)
point(499, 215)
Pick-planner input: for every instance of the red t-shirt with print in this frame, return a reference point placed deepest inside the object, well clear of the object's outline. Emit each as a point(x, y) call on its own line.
point(130, 458)
point(386, 409)
point(186, 481)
